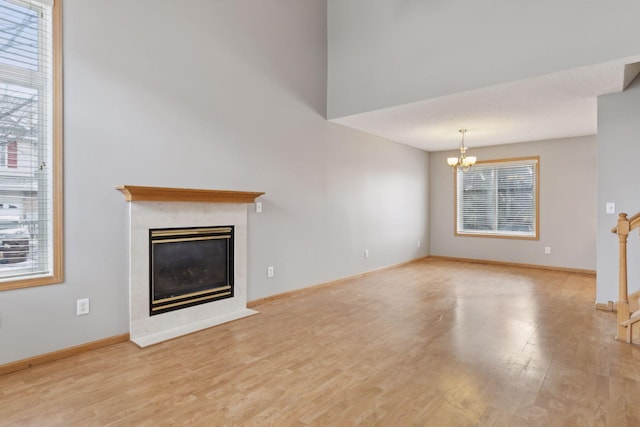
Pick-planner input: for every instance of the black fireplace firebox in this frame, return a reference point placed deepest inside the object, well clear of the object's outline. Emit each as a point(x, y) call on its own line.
point(189, 266)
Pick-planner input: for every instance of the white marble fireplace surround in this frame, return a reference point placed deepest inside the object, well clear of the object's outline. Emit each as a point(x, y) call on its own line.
point(156, 207)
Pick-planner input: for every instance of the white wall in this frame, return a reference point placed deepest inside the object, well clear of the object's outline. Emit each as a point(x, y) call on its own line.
point(618, 177)
point(391, 52)
point(219, 95)
point(567, 206)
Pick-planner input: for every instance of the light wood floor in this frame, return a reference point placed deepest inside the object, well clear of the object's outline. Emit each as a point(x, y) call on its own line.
point(434, 343)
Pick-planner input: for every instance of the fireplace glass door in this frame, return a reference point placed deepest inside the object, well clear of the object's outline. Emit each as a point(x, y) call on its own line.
point(189, 266)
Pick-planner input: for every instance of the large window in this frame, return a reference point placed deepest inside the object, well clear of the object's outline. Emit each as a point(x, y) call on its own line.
point(30, 144)
point(498, 199)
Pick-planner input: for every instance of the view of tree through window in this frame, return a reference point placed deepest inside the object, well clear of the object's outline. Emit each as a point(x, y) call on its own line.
point(498, 198)
point(26, 219)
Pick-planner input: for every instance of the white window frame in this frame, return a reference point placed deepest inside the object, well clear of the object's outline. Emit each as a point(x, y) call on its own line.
point(459, 229)
point(51, 163)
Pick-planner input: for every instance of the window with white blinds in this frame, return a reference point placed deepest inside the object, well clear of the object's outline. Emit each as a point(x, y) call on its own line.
point(30, 116)
point(498, 199)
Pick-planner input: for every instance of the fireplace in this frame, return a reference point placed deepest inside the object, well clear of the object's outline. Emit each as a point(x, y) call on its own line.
point(189, 266)
point(186, 216)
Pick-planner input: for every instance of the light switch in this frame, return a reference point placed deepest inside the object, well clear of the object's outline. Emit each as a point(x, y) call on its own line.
point(611, 208)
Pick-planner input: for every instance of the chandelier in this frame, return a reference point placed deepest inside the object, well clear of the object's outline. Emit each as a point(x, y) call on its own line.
point(463, 162)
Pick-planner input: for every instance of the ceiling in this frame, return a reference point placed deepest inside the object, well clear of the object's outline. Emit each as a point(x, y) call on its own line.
point(558, 105)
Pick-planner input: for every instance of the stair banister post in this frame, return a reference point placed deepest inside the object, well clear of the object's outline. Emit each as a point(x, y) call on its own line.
point(623, 296)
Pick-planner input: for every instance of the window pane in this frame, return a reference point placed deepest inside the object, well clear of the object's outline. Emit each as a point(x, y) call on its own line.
point(18, 35)
point(478, 200)
point(515, 200)
point(19, 174)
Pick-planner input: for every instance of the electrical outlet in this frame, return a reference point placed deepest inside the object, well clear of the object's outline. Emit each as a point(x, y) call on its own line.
point(418, 244)
point(258, 207)
point(547, 250)
point(82, 307)
point(366, 253)
point(270, 272)
point(610, 208)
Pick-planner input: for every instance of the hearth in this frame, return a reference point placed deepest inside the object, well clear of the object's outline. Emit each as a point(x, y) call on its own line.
point(189, 266)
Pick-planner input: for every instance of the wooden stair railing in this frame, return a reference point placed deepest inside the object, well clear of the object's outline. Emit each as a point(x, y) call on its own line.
point(626, 319)
point(633, 319)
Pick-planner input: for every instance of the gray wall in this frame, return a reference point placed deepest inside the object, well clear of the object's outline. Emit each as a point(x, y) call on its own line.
point(220, 95)
point(391, 52)
point(618, 177)
point(567, 206)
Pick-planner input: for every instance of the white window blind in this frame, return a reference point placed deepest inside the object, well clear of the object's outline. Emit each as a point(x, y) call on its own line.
point(26, 199)
point(498, 199)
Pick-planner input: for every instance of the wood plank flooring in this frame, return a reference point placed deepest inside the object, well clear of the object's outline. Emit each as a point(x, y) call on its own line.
point(432, 343)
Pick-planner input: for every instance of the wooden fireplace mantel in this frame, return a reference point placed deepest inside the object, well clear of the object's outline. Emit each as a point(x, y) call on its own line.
point(135, 193)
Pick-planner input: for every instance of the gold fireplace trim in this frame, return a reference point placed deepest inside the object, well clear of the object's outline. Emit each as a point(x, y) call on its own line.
point(190, 239)
point(193, 294)
point(190, 231)
point(208, 297)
